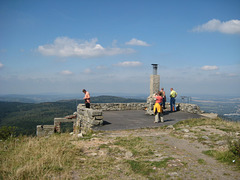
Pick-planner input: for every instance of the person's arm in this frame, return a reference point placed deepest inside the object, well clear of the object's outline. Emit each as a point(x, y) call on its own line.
point(163, 93)
point(154, 96)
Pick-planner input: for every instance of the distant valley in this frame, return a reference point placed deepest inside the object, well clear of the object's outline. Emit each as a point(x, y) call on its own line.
point(53, 97)
point(26, 116)
point(26, 112)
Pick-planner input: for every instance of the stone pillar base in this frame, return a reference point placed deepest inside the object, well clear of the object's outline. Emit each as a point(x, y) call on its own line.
point(150, 104)
point(45, 130)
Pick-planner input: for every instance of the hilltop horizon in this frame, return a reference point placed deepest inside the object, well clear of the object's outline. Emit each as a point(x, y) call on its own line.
point(121, 94)
point(52, 97)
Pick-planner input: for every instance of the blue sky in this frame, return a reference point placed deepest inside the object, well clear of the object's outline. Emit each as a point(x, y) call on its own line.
point(108, 46)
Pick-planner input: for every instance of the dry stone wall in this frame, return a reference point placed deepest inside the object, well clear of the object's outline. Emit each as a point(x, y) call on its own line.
point(190, 108)
point(58, 121)
point(119, 106)
point(45, 130)
point(87, 118)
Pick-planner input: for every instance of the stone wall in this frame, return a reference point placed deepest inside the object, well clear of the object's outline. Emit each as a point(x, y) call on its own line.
point(45, 130)
point(118, 106)
point(58, 121)
point(87, 118)
point(190, 108)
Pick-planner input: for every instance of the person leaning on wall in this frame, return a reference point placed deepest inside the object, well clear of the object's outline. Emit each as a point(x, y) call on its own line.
point(86, 98)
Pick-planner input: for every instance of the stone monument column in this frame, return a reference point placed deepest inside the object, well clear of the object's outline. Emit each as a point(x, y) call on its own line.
point(154, 88)
point(154, 80)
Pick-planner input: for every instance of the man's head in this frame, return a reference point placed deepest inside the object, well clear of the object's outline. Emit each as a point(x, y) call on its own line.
point(84, 91)
point(171, 89)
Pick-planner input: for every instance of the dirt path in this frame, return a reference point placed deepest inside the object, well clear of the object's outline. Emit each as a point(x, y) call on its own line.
point(200, 166)
point(188, 162)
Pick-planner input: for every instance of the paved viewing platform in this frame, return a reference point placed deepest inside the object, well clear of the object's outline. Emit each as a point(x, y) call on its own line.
point(121, 116)
point(135, 119)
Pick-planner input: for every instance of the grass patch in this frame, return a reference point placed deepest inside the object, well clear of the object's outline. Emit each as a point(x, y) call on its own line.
point(128, 141)
point(224, 157)
point(218, 123)
point(135, 144)
point(161, 164)
point(192, 122)
point(234, 147)
point(201, 161)
point(225, 129)
point(210, 153)
point(140, 167)
point(102, 146)
point(145, 168)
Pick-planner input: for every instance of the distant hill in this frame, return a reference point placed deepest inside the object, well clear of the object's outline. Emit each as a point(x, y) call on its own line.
point(40, 98)
point(35, 98)
point(26, 116)
point(114, 99)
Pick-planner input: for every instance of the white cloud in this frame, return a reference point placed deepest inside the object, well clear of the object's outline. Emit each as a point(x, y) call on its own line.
point(136, 42)
point(209, 68)
point(66, 72)
point(87, 71)
point(232, 75)
point(1, 65)
point(66, 47)
point(101, 67)
point(228, 27)
point(129, 64)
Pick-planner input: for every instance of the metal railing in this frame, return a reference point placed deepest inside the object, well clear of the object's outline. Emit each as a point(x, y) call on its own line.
point(186, 99)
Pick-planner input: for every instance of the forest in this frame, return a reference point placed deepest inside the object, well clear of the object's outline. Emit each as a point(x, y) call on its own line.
point(22, 118)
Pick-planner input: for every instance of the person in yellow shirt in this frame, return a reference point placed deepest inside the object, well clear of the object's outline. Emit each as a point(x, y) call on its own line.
point(173, 95)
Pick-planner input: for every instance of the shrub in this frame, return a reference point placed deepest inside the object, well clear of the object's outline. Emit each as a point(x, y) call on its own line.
point(7, 131)
point(234, 147)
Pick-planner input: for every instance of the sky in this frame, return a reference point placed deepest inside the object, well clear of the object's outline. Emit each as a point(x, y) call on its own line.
point(108, 46)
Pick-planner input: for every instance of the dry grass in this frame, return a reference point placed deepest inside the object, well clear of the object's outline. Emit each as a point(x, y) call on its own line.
point(217, 123)
point(37, 158)
point(64, 157)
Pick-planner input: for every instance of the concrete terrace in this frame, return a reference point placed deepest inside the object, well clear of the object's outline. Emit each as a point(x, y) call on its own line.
point(135, 119)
